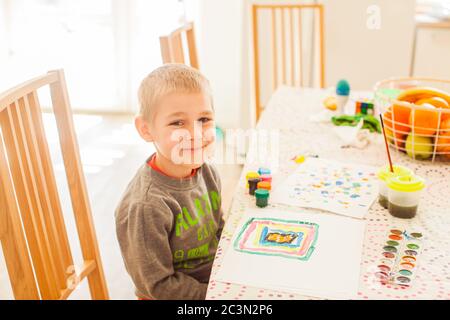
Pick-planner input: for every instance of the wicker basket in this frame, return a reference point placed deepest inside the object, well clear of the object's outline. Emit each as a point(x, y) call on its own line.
point(407, 133)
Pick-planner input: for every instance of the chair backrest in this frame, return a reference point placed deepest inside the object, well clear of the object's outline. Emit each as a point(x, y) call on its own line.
point(32, 228)
point(279, 42)
point(172, 46)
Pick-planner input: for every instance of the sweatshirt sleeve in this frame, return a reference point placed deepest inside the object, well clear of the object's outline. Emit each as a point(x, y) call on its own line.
point(144, 241)
point(218, 181)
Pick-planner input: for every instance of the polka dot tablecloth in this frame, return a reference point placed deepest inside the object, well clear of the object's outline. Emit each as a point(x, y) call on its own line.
point(288, 111)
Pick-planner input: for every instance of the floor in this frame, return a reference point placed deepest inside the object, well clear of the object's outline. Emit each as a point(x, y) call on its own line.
point(111, 152)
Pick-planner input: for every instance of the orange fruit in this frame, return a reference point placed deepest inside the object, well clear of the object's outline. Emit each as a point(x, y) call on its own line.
point(399, 138)
point(401, 116)
point(438, 103)
point(401, 119)
point(425, 122)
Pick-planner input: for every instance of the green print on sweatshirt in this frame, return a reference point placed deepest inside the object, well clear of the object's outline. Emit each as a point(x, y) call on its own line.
point(186, 220)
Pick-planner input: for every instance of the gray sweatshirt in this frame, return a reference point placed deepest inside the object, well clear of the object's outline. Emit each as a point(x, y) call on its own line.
point(168, 231)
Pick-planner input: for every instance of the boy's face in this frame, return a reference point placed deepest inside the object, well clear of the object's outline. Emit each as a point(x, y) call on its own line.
point(183, 128)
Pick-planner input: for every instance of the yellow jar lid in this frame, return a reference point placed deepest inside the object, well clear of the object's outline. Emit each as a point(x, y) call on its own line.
point(252, 175)
point(385, 172)
point(406, 183)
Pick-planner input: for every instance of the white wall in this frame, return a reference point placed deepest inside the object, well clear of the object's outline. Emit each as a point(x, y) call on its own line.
point(432, 53)
point(364, 56)
point(220, 45)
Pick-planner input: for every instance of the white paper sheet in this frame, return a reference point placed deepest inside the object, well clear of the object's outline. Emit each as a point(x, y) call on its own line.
point(331, 271)
point(342, 188)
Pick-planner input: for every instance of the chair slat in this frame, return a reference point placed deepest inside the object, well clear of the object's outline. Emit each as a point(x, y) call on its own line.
point(193, 58)
point(283, 46)
point(291, 25)
point(176, 48)
point(300, 42)
point(50, 181)
point(13, 241)
point(78, 190)
point(43, 196)
point(52, 227)
point(274, 48)
point(256, 59)
point(27, 194)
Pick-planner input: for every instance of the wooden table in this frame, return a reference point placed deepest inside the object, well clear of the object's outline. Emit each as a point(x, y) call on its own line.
point(289, 111)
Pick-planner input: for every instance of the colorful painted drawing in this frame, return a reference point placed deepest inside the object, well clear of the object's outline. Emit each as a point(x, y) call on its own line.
point(329, 185)
point(276, 237)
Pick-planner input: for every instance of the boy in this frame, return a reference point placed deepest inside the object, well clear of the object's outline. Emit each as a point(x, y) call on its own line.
point(169, 220)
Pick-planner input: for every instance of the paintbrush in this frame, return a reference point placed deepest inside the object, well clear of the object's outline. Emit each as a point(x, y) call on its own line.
point(386, 143)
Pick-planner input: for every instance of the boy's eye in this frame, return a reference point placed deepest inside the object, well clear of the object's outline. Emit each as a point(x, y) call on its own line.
point(177, 123)
point(205, 120)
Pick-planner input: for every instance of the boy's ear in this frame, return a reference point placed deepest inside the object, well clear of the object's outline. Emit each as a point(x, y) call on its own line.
point(143, 128)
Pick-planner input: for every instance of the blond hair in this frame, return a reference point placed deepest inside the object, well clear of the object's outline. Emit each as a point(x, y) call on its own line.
point(168, 79)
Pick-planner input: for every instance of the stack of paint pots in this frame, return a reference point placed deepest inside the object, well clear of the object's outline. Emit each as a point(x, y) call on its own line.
point(259, 185)
point(400, 191)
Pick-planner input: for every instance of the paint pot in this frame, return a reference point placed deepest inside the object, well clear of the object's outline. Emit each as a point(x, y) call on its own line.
point(390, 249)
point(411, 252)
point(416, 235)
point(403, 280)
point(395, 237)
point(396, 231)
point(251, 175)
point(383, 174)
point(412, 246)
point(266, 178)
point(382, 275)
point(392, 243)
point(262, 198)
point(264, 171)
point(386, 262)
point(404, 195)
point(405, 272)
point(407, 266)
point(410, 259)
point(253, 185)
point(384, 268)
point(265, 185)
point(388, 255)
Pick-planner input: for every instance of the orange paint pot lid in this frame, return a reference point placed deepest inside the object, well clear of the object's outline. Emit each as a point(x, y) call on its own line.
point(265, 185)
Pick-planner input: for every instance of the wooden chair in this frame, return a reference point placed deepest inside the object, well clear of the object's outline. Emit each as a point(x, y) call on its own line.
point(284, 40)
point(172, 46)
point(32, 229)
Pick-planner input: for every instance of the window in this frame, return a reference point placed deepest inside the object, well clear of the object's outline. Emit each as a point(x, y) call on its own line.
point(105, 46)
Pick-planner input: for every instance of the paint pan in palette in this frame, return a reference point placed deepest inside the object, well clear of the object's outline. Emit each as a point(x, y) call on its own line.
point(400, 255)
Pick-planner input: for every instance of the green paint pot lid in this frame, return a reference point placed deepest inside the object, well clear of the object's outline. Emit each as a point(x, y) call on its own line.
point(385, 172)
point(262, 193)
point(406, 183)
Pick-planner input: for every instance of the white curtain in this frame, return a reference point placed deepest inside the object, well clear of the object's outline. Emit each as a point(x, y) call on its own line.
point(105, 46)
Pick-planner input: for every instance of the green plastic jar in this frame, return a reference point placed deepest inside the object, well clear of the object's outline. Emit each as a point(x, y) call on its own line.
point(262, 198)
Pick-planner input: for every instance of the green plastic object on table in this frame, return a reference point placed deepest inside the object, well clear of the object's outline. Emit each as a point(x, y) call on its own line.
point(262, 198)
point(370, 122)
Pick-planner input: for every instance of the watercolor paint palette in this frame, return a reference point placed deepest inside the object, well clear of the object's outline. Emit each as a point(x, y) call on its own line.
point(400, 255)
